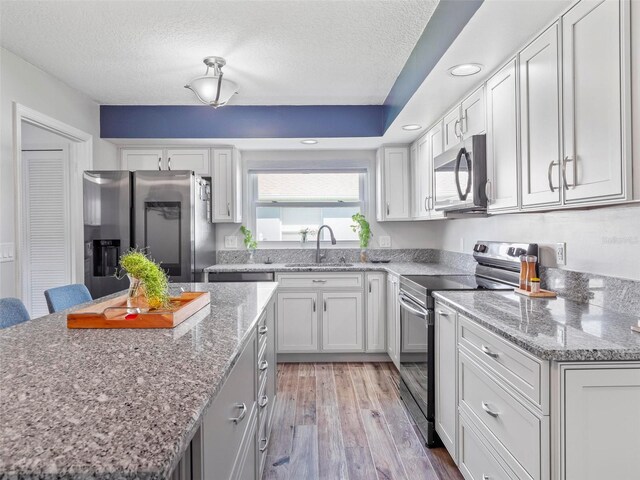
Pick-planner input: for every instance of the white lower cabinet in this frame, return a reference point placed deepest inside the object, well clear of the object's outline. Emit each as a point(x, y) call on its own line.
point(476, 460)
point(376, 312)
point(297, 328)
point(325, 312)
point(393, 320)
point(600, 421)
point(342, 322)
point(446, 359)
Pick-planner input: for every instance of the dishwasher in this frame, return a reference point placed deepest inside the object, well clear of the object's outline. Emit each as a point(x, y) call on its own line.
point(218, 277)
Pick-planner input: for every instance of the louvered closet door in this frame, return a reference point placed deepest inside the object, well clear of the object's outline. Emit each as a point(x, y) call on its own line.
point(46, 259)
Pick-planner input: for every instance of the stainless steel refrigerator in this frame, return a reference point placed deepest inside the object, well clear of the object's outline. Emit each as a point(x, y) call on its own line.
point(167, 213)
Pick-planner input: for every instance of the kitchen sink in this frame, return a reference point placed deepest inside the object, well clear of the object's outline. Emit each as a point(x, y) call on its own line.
point(319, 265)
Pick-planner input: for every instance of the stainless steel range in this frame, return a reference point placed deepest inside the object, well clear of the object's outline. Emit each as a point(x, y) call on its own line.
point(498, 268)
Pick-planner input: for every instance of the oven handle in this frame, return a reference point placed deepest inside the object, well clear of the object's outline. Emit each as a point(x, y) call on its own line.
point(409, 305)
point(461, 153)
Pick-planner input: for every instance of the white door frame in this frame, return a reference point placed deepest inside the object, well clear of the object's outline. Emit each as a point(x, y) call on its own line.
point(80, 159)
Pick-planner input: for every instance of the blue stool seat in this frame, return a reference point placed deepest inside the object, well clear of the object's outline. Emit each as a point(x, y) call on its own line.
point(61, 298)
point(12, 312)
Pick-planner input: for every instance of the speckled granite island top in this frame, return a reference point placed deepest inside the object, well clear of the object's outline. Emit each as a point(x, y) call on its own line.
point(397, 268)
point(116, 404)
point(551, 329)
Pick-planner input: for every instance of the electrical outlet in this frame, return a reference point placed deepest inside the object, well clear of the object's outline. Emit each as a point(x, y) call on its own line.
point(230, 241)
point(384, 241)
point(561, 254)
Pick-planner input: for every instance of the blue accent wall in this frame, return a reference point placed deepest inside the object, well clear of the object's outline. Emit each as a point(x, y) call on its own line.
point(195, 121)
point(446, 23)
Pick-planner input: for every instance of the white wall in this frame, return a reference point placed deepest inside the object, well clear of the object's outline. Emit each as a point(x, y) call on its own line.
point(26, 84)
point(403, 234)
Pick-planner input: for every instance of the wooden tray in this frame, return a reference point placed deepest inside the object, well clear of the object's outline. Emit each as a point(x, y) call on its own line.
point(113, 313)
point(540, 294)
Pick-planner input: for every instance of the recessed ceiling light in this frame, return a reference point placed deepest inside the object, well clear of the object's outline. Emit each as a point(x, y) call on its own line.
point(465, 69)
point(309, 141)
point(412, 126)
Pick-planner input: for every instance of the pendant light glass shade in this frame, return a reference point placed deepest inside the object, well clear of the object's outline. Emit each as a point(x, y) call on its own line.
point(213, 89)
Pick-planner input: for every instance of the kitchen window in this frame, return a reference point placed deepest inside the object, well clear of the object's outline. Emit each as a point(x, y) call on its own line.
point(286, 202)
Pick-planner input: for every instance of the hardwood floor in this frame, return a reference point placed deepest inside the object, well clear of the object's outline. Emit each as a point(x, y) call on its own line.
point(346, 421)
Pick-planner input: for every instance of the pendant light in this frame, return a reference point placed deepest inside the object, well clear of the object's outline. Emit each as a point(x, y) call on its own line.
point(213, 89)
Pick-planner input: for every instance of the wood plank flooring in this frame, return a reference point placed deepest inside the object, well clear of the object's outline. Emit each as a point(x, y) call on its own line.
point(337, 421)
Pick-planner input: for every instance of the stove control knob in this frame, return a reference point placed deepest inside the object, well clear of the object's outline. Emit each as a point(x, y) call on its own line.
point(481, 248)
point(520, 251)
point(511, 252)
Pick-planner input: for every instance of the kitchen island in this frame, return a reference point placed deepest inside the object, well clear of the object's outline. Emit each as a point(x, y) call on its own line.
point(123, 404)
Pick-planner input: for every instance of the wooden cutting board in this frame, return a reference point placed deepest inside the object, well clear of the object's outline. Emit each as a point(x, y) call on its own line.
point(114, 313)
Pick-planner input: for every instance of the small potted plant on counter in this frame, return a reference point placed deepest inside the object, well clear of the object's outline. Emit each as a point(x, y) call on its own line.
point(148, 283)
point(249, 242)
point(363, 229)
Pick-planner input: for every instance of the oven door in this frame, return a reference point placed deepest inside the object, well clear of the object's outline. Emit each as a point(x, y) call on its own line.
point(416, 353)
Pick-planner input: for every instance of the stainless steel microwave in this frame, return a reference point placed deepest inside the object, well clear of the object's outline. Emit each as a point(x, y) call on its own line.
point(460, 177)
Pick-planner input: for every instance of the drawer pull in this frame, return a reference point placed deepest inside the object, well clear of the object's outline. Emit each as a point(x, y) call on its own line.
point(263, 330)
point(319, 281)
point(444, 314)
point(488, 352)
point(485, 477)
point(486, 408)
point(263, 401)
point(266, 444)
point(264, 365)
point(243, 413)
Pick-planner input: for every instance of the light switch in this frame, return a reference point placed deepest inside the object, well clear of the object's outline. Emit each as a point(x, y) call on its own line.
point(384, 241)
point(230, 241)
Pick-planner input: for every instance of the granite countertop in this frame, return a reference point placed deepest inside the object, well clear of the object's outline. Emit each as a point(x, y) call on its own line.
point(551, 329)
point(397, 268)
point(117, 404)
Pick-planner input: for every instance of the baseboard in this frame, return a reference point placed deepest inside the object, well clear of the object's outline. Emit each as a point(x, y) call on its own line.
point(332, 357)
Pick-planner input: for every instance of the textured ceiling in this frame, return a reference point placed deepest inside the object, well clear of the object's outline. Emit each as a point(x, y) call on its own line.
point(303, 52)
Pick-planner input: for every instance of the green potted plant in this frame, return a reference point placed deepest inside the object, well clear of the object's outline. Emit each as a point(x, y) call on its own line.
point(249, 242)
point(148, 283)
point(363, 229)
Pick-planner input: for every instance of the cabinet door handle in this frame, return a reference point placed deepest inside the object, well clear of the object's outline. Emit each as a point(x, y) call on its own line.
point(264, 400)
point(388, 210)
point(431, 204)
point(369, 286)
point(264, 365)
point(549, 172)
point(243, 413)
point(443, 314)
point(564, 172)
point(159, 163)
point(463, 125)
point(487, 190)
point(169, 163)
point(488, 352)
point(266, 444)
point(314, 305)
point(263, 330)
point(487, 409)
point(228, 208)
point(485, 477)
point(325, 305)
point(426, 204)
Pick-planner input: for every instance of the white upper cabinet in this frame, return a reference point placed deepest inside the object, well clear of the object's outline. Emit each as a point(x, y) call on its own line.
point(196, 159)
point(392, 184)
point(473, 120)
point(227, 186)
point(142, 158)
point(595, 71)
point(540, 149)
point(502, 139)
point(451, 128)
point(465, 119)
point(421, 177)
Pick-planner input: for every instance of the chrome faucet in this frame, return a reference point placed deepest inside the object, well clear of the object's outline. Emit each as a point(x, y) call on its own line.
point(333, 242)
